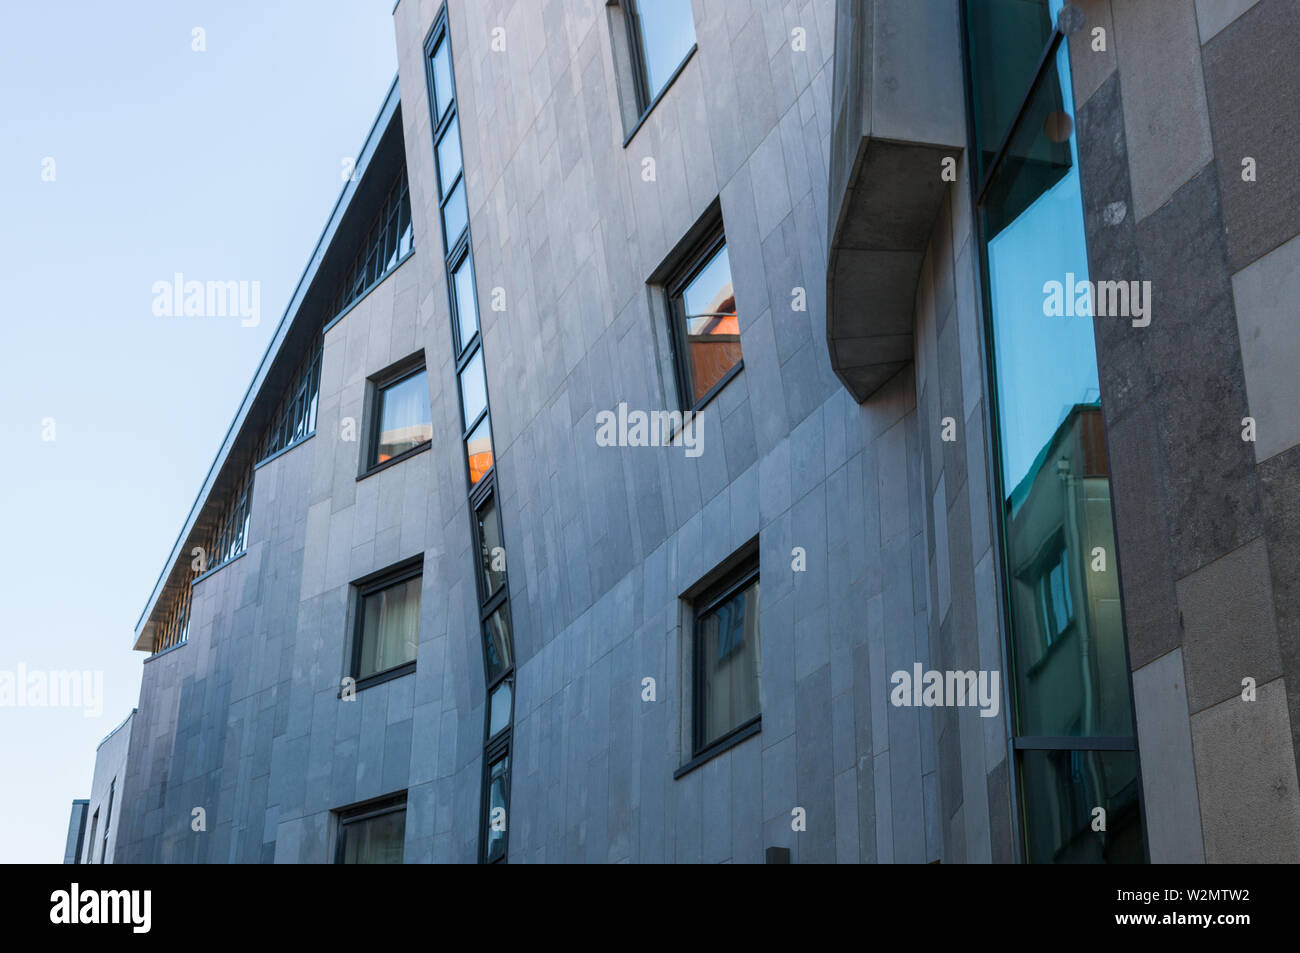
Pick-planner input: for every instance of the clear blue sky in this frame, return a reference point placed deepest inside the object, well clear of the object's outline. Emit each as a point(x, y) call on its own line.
point(222, 165)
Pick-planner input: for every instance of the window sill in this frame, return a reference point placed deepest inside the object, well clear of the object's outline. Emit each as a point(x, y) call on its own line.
point(725, 743)
point(370, 681)
point(636, 127)
point(393, 461)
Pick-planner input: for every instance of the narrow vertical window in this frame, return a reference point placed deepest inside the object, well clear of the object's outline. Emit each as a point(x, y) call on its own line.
point(1074, 735)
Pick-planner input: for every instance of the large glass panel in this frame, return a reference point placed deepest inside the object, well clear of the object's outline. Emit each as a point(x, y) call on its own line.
point(442, 86)
point(1062, 790)
point(375, 840)
point(492, 555)
point(473, 388)
point(1071, 676)
point(667, 31)
point(405, 420)
point(466, 300)
point(708, 305)
point(390, 627)
point(1007, 38)
point(498, 643)
point(449, 162)
point(500, 708)
point(455, 214)
point(478, 450)
point(498, 807)
point(728, 656)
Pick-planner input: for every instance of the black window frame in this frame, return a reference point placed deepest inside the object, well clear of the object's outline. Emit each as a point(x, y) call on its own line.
point(365, 811)
point(491, 603)
point(362, 589)
point(493, 753)
point(457, 252)
point(736, 579)
point(398, 373)
point(697, 256)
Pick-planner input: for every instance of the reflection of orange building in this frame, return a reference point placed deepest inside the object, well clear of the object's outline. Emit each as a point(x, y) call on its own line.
point(714, 341)
point(401, 439)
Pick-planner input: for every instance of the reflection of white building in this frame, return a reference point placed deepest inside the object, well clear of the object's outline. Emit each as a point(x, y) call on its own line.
point(1068, 632)
point(92, 829)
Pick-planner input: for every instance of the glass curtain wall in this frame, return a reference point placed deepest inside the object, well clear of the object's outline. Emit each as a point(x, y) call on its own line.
point(1073, 730)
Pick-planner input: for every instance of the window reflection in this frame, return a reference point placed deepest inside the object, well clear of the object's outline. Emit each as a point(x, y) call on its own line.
point(727, 653)
point(491, 551)
point(473, 389)
point(405, 420)
point(1062, 789)
point(500, 647)
point(708, 307)
point(666, 30)
point(1068, 659)
point(375, 840)
point(449, 161)
point(390, 627)
point(478, 450)
point(466, 301)
point(498, 808)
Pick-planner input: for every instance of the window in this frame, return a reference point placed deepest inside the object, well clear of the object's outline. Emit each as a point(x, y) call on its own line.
point(1073, 730)
point(174, 628)
point(90, 847)
point(388, 241)
point(403, 418)
point(492, 562)
point(476, 431)
point(388, 624)
point(108, 821)
point(661, 35)
point(727, 658)
point(374, 833)
point(498, 802)
point(705, 326)
point(1054, 601)
point(295, 418)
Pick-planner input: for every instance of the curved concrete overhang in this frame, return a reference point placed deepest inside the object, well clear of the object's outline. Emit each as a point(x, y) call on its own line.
point(899, 113)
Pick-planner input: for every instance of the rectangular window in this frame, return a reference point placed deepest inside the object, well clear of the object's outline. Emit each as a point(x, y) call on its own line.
point(498, 804)
point(727, 657)
point(108, 821)
point(492, 560)
point(373, 834)
point(295, 418)
point(388, 624)
point(661, 36)
point(386, 242)
point(706, 327)
point(403, 418)
point(90, 847)
point(465, 301)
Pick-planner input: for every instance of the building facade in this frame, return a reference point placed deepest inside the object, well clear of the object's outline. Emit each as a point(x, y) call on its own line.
point(94, 824)
point(709, 431)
